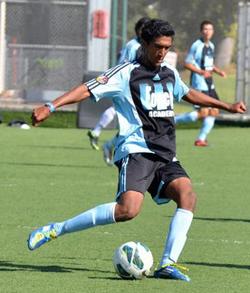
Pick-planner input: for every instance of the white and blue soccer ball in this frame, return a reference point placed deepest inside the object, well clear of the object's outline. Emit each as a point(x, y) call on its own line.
point(133, 260)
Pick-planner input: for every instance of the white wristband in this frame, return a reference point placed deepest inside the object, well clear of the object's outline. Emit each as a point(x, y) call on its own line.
point(51, 107)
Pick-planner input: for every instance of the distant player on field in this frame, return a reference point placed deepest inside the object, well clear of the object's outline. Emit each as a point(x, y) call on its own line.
point(143, 95)
point(200, 61)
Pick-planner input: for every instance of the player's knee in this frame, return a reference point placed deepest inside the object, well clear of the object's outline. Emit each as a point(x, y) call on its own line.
point(214, 112)
point(125, 213)
point(188, 200)
point(203, 113)
point(192, 198)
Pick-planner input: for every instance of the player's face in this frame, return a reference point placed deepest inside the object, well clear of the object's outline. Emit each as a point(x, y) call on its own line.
point(157, 50)
point(207, 32)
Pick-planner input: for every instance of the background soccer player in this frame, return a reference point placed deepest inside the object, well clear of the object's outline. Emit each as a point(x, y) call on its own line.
point(200, 61)
point(143, 95)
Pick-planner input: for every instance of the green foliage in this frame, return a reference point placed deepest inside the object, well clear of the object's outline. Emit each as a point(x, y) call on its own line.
point(186, 17)
point(53, 174)
point(57, 120)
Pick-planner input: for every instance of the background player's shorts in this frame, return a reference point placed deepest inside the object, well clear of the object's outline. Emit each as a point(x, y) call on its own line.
point(147, 172)
point(211, 93)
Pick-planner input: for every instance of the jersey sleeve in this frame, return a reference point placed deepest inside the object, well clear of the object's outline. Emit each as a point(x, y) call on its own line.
point(108, 85)
point(180, 88)
point(190, 58)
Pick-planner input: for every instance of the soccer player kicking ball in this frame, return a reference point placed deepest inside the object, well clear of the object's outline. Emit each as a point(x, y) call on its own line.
point(143, 94)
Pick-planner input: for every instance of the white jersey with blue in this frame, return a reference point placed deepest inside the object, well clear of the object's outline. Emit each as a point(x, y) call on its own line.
point(201, 56)
point(144, 102)
point(128, 53)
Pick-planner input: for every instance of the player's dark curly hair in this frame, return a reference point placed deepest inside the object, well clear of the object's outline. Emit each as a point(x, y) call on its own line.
point(139, 25)
point(156, 28)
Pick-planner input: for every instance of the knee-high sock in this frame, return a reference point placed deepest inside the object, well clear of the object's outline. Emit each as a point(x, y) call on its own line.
point(186, 117)
point(107, 116)
point(207, 125)
point(100, 215)
point(177, 236)
point(112, 142)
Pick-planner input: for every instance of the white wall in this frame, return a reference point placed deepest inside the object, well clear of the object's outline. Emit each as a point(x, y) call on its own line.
point(98, 49)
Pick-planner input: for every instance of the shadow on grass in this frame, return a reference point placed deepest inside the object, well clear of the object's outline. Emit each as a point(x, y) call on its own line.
point(8, 266)
point(54, 165)
point(58, 147)
point(222, 219)
point(219, 265)
point(110, 278)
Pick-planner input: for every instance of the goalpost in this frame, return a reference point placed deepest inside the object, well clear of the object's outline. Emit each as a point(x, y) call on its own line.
point(243, 66)
point(243, 55)
point(2, 44)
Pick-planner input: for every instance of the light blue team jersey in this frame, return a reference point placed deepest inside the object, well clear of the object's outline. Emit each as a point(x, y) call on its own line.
point(128, 53)
point(144, 102)
point(202, 57)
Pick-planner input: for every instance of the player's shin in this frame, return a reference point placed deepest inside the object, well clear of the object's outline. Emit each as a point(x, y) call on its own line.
point(186, 117)
point(177, 236)
point(207, 126)
point(100, 215)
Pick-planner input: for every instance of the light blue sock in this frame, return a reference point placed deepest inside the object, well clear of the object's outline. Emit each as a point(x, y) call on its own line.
point(111, 143)
point(177, 236)
point(186, 117)
point(207, 125)
point(100, 215)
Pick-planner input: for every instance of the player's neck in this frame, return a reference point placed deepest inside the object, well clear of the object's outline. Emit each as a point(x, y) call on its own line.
point(147, 63)
point(205, 41)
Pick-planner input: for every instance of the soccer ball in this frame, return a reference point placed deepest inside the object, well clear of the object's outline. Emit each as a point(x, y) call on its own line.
point(133, 260)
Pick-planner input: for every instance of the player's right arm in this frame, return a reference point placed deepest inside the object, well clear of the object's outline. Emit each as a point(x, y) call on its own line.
point(195, 69)
point(198, 98)
point(75, 95)
point(191, 64)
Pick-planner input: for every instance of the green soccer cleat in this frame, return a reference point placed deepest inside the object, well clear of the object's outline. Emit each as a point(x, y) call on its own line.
point(172, 271)
point(93, 140)
point(40, 236)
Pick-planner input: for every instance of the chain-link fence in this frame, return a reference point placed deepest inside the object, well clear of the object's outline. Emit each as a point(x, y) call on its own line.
point(46, 44)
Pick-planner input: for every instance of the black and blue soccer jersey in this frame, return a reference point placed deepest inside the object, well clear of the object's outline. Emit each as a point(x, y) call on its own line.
point(144, 102)
point(202, 56)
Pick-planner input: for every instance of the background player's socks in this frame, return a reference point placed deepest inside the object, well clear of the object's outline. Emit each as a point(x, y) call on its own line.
point(177, 236)
point(107, 116)
point(100, 215)
point(207, 125)
point(186, 117)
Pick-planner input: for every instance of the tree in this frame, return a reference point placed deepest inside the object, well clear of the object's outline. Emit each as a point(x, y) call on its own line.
point(186, 17)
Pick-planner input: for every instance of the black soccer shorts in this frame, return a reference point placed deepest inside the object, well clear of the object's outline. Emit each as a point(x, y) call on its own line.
point(211, 93)
point(147, 172)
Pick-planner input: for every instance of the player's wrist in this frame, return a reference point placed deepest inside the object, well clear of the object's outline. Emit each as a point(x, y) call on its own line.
point(50, 106)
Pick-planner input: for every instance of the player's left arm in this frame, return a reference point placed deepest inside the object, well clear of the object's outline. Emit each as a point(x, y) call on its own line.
point(220, 72)
point(75, 95)
point(198, 98)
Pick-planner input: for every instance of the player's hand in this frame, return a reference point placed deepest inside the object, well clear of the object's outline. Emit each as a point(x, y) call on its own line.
point(39, 114)
point(207, 74)
point(239, 107)
point(223, 74)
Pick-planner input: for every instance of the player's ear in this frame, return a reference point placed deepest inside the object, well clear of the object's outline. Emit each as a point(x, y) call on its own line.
point(144, 44)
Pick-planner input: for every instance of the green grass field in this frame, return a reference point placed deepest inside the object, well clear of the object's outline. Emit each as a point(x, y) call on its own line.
point(52, 174)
